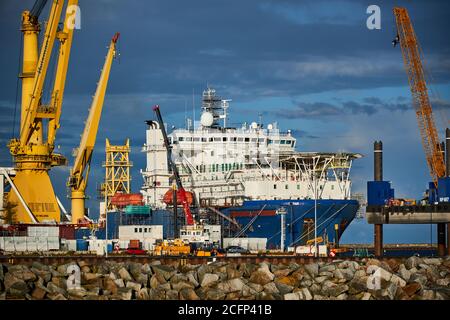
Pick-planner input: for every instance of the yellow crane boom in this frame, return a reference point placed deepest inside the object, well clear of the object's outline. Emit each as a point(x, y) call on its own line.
point(413, 65)
point(33, 155)
point(80, 171)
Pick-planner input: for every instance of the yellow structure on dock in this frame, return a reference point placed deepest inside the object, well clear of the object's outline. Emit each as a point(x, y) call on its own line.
point(117, 173)
point(33, 152)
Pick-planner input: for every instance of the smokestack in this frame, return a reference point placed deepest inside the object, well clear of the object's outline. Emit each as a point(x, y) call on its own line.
point(378, 160)
point(447, 152)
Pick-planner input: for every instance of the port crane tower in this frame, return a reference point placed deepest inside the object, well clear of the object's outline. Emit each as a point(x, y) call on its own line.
point(181, 193)
point(413, 64)
point(79, 173)
point(33, 151)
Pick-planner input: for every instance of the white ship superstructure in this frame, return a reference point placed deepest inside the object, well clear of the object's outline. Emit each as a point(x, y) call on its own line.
point(223, 166)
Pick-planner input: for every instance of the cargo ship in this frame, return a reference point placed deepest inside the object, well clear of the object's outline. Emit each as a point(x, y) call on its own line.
point(251, 179)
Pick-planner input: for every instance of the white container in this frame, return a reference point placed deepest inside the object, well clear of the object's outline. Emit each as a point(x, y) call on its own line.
point(252, 244)
point(140, 232)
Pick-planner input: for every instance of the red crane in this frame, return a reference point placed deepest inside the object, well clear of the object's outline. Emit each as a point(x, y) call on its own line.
point(181, 193)
point(416, 76)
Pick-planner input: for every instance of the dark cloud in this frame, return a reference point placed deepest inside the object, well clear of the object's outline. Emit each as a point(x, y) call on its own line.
point(372, 105)
point(298, 133)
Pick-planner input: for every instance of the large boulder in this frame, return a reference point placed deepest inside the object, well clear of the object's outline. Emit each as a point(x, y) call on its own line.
point(15, 286)
point(232, 285)
point(215, 294)
point(125, 275)
point(413, 262)
point(312, 269)
point(166, 271)
point(209, 279)
point(188, 294)
point(262, 275)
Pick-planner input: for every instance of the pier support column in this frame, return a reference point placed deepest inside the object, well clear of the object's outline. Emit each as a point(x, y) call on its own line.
point(441, 239)
point(378, 241)
point(448, 239)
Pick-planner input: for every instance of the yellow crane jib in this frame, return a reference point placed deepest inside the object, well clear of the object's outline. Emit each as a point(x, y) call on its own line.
point(413, 64)
point(33, 154)
point(79, 173)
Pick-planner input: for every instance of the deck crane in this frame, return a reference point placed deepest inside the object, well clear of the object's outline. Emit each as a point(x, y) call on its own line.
point(181, 193)
point(79, 173)
point(421, 102)
point(32, 152)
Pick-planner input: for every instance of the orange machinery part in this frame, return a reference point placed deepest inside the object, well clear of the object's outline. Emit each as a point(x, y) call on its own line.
point(168, 197)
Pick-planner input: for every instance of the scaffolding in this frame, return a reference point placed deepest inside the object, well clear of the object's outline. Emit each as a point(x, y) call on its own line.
point(117, 173)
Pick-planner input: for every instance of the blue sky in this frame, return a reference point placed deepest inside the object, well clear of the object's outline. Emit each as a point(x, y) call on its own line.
point(313, 66)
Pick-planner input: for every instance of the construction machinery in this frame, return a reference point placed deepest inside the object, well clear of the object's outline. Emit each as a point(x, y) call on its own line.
point(180, 193)
point(413, 64)
point(176, 247)
point(33, 150)
point(79, 173)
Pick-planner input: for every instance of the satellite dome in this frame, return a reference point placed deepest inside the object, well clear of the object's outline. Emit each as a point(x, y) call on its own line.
point(254, 125)
point(206, 119)
point(270, 126)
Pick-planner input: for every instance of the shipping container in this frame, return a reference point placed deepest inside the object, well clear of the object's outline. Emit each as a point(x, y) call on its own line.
point(82, 245)
point(252, 244)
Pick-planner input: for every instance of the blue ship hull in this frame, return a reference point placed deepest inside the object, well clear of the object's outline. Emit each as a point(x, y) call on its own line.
point(259, 219)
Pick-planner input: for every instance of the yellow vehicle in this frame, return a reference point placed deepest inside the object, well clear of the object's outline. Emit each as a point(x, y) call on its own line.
point(175, 247)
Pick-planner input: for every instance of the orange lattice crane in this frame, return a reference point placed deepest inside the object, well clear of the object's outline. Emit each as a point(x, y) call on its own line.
point(413, 64)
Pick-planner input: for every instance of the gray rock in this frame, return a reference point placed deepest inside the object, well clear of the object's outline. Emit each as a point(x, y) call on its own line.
point(283, 288)
point(390, 291)
point(346, 274)
point(306, 283)
point(342, 296)
point(192, 278)
point(432, 261)
point(172, 295)
point(53, 288)
point(209, 279)
point(133, 285)
point(419, 278)
point(315, 288)
point(166, 286)
point(232, 285)
point(404, 273)
point(398, 280)
point(428, 295)
point(321, 279)
point(15, 285)
point(255, 286)
point(125, 293)
point(119, 283)
point(188, 294)
point(125, 275)
point(40, 266)
point(181, 285)
point(358, 285)
point(75, 292)
point(166, 271)
point(262, 275)
point(271, 288)
point(154, 282)
point(157, 294)
point(293, 296)
point(57, 296)
point(312, 269)
point(331, 289)
point(413, 262)
point(146, 269)
point(306, 294)
point(215, 294)
point(327, 268)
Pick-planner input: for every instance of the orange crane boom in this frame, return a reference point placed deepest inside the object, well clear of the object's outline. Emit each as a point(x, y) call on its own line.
point(421, 102)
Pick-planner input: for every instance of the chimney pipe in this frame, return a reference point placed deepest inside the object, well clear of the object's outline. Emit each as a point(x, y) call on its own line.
point(447, 152)
point(378, 160)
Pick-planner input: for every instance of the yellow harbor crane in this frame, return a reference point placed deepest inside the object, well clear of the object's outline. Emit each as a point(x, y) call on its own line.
point(79, 173)
point(33, 153)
